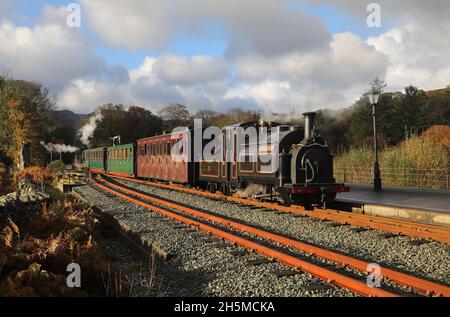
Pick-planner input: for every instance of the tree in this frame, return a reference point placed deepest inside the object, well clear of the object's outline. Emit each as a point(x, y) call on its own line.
point(378, 85)
point(412, 109)
point(438, 134)
point(240, 115)
point(144, 123)
point(207, 116)
point(131, 124)
point(175, 115)
point(56, 166)
point(24, 120)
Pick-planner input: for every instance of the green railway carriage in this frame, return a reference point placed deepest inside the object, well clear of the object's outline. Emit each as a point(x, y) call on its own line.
point(95, 159)
point(121, 160)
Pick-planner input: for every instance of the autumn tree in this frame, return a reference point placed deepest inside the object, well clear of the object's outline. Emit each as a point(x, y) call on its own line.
point(175, 115)
point(207, 116)
point(438, 134)
point(24, 121)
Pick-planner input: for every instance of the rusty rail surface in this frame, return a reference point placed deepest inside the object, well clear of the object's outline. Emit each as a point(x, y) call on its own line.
point(323, 273)
point(421, 286)
point(396, 226)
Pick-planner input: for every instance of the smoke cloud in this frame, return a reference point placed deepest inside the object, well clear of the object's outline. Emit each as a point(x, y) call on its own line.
point(60, 148)
point(87, 131)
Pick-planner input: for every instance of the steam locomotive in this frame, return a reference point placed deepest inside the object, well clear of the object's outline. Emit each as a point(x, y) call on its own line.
point(282, 162)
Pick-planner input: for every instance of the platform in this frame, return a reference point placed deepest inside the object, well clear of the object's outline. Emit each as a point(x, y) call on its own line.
point(431, 206)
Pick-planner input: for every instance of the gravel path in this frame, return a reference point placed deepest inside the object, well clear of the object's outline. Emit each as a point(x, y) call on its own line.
point(201, 265)
point(430, 260)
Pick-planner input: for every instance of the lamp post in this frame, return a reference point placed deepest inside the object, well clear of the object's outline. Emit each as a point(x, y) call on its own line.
point(374, 95)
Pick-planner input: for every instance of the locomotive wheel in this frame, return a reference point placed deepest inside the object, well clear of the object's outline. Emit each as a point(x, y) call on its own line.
point(212, 188)
point(226, 190)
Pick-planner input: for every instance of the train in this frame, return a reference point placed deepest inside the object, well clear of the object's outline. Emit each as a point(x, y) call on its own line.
point(289, 163)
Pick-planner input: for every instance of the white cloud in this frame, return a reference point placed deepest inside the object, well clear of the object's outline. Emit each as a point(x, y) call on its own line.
point(49, 52)
point(417, 56)
point(180, 70)
point(276, 59)
point(251, 25)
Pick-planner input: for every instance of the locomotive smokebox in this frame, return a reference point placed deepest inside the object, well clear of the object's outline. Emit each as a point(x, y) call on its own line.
point(309, 125)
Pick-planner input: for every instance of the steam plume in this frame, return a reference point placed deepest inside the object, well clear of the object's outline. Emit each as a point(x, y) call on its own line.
point(88, 129)
point(60, 148)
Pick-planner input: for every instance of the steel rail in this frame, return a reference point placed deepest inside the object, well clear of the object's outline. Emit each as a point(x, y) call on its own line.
point(422, 286)
point(396, 226)
point(316, 270)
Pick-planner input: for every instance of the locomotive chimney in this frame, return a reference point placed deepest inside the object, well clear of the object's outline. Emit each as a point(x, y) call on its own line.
point(309, 125)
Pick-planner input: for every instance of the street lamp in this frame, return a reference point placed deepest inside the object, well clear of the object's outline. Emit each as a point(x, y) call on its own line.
point(374, 95)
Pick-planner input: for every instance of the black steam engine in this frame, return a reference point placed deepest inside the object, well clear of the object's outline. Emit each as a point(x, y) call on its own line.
point(304, 174)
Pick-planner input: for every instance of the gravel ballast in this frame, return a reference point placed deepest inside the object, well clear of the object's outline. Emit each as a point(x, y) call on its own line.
point(429, 260)
point(202, 265)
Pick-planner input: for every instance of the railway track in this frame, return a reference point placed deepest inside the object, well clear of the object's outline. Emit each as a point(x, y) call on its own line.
point(401, 227)
point(212, 224)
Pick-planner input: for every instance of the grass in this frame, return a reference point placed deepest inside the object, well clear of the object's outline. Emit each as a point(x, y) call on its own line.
point(416, 162)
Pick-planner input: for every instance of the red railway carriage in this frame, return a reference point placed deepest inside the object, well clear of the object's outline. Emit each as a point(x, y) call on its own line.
point(154, 159)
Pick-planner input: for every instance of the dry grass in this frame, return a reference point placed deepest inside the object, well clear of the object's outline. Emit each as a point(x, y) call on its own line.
point(37, 243)
point(416, 162)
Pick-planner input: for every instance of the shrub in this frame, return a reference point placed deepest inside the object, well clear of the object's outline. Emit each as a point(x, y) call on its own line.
point(38, 175)
point(438, 134)
point(56, 166)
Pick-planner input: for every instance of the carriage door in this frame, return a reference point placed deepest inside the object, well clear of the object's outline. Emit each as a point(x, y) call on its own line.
point(226, 165)
point(105, 159)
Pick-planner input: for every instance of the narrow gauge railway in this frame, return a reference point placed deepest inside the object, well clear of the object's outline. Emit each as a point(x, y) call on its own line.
point(198, 218)
point(394, 226)
point(293, 165)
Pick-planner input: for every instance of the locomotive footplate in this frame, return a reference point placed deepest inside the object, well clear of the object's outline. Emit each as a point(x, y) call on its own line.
point(318, 188)
point(312, 194)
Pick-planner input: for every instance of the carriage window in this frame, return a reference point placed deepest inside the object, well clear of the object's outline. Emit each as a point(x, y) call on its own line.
point(160, 148)
point(168, 147)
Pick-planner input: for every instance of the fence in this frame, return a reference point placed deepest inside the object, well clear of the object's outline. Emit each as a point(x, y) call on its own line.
point(406, 177)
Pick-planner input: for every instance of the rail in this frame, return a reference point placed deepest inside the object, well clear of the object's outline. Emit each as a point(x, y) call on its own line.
point(422, 286)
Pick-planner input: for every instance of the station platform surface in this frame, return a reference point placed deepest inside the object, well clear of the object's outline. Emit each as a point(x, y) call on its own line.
point(430, 206)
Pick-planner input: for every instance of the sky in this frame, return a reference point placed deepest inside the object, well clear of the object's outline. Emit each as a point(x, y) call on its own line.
point(269, 55)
